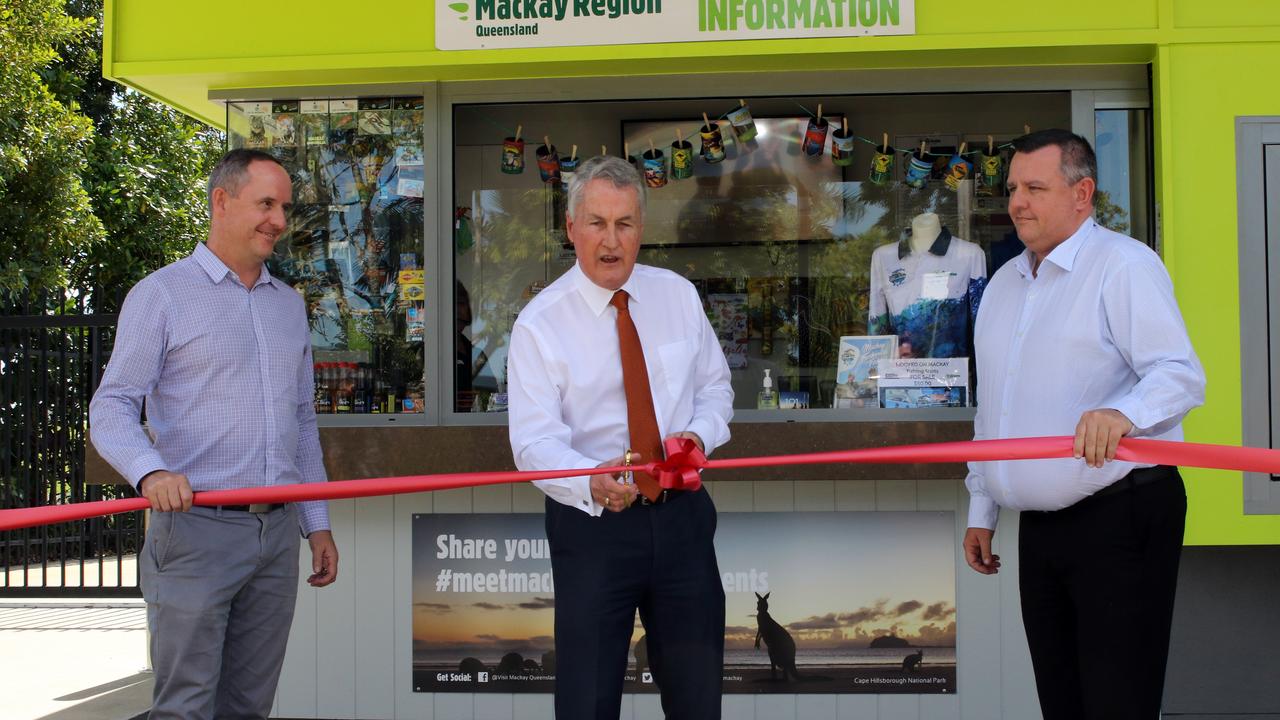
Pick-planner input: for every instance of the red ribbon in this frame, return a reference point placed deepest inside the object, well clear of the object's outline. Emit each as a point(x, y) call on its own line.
point(681, 471)
point(684, 461)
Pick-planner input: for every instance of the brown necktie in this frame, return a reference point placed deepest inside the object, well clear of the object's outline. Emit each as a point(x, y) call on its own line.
point(642, 422)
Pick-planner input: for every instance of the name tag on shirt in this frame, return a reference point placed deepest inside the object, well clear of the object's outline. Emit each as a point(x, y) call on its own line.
point(935, 286)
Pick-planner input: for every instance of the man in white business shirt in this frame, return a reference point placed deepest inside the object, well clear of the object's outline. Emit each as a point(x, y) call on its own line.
point(1081, 334)
point(615, 356)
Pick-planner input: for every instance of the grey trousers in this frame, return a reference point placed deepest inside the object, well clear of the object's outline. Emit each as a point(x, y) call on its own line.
point(220, 588)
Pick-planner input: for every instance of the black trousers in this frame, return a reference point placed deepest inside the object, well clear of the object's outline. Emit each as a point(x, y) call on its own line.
point(1097, 581)
point(660, 560)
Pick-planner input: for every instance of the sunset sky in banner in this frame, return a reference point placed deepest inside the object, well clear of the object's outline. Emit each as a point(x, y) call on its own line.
point(478, 619)
point(843, 577)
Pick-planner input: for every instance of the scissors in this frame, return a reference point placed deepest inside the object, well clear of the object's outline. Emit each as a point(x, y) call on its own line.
point(627, 477)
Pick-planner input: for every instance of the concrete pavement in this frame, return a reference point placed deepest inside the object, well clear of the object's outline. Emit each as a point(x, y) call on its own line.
point(75, 659)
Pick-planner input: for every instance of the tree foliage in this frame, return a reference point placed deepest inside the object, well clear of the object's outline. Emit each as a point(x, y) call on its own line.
point(111, 181)
point(46, 220)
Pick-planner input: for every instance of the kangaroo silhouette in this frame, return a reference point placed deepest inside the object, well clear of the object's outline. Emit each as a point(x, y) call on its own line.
point(782, 647)
point(911, 663)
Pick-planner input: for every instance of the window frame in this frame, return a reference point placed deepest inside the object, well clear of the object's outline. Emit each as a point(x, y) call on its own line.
point(1260, 412)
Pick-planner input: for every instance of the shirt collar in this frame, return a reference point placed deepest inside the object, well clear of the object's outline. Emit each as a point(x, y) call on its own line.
point(939, 247)
point(596, 297)
point(1064, 255)
point(217, 270)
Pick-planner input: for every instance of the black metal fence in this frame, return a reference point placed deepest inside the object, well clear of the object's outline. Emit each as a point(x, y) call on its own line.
point(52, 352)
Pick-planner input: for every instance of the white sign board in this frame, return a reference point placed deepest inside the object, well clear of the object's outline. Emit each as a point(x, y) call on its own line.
point(497, 24)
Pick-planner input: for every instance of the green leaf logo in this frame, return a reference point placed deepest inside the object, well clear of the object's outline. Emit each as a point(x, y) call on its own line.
point(460, 8)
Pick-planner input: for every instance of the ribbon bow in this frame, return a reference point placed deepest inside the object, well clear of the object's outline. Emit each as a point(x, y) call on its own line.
point(680, 470)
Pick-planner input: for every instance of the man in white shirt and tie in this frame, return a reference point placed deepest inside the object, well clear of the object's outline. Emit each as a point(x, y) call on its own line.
point(1081, 334)
point(615, 356)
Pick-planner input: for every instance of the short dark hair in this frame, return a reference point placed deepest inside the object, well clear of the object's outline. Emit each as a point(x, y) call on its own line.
point(1078, 160)
point(229, 174)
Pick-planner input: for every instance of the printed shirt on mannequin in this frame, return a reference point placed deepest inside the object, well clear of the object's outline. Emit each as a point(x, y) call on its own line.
point(928, 299)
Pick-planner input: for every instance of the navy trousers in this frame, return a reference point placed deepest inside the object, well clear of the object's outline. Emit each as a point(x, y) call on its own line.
point(659, 560)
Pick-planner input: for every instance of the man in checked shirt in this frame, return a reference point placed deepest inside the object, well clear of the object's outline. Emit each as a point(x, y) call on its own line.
point(221, 352)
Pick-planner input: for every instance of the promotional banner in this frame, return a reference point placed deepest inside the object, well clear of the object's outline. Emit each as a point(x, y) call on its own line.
point(497, 24)
point(808, 607)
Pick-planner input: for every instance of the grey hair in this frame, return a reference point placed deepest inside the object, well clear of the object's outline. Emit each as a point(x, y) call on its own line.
point(232, 171)
point(1078, 159)
point(617, 171)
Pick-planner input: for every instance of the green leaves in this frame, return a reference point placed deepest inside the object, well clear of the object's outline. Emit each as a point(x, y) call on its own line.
point(45, 215)
point(98, 185)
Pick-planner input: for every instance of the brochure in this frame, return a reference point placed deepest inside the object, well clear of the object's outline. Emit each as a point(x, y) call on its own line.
point(857, 369)
point(924, 382)
point(728, 313)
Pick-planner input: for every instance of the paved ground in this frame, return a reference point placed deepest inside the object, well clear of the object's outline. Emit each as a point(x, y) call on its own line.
point(108, 572)
point(74, 659)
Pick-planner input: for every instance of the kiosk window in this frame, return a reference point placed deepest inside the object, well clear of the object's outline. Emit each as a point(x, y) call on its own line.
point(354, 246)
point(843, 257)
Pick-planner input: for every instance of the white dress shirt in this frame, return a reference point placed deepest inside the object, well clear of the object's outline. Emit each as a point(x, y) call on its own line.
point(1097, 327)
point(567, 406)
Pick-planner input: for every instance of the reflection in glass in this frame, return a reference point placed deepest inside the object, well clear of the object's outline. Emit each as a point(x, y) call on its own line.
point(782, 306)
point(1122, 202)
point(353, 247)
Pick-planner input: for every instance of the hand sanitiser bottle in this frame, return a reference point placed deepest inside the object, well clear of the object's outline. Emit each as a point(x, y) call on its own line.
point(767, 399)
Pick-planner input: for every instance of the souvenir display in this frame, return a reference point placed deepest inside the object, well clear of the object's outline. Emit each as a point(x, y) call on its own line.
point(919, 167)
point(926, 289)
point(681, 158)
point(744, 127)
point(712, 143)
point(815, 136)
point(842, 145)
point(882, 163)
point(548, 162)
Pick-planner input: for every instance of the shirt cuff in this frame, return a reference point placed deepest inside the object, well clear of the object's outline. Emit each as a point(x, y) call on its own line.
point(574, 492)
point(706, 432)
point(983, 512)
point(313, 515)
point(143, 465)
point(1133, 409)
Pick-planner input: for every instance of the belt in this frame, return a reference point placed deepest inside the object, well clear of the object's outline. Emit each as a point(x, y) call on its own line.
point(664, 496)
point(1136, 477)
point(256, 508)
